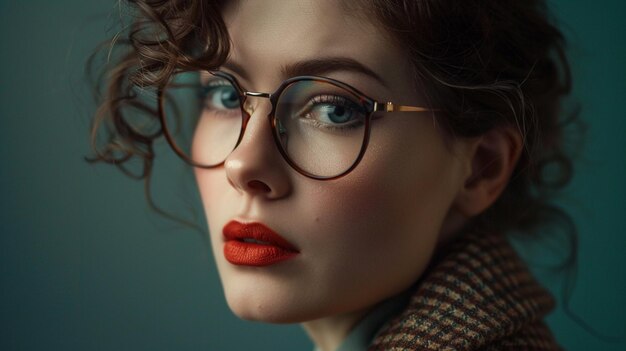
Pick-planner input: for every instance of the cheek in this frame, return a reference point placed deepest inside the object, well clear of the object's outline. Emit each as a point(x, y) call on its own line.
point(379, 226)
point(409, 181)
point(210, 185)
point(382, 209)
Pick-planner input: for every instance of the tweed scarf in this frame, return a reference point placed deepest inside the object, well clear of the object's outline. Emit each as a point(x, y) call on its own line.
point(478, 295)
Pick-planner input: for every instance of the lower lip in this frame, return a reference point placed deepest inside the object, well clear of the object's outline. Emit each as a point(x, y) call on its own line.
point(252, 254)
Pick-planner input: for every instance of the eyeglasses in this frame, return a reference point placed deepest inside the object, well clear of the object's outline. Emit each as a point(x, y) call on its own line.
point(321, 126)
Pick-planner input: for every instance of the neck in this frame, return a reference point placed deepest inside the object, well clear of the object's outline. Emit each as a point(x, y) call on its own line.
point(327, 333)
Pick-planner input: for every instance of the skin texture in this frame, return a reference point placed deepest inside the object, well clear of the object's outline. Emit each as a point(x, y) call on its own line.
point(362, 238)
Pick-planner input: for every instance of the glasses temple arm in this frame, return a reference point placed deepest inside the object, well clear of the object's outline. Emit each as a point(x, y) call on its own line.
point(391, 107)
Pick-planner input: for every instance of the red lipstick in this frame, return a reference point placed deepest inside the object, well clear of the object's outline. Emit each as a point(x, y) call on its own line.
point(254, 244)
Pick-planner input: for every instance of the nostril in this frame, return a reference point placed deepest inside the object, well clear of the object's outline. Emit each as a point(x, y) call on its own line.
point(259, 186)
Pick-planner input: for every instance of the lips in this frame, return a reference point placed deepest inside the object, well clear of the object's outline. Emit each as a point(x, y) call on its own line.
point(254, 244)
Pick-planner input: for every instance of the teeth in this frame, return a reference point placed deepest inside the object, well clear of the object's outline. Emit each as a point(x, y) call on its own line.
point(248, 240)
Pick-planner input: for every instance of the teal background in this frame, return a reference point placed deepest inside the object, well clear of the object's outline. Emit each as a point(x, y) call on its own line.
point(84, 264)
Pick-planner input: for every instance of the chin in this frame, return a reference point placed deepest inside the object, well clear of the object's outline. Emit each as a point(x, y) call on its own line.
point(273, 294)
point(271, 302)
point(271, 310)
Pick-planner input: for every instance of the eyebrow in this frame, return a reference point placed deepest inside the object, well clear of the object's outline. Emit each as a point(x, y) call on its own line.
point(315, 67)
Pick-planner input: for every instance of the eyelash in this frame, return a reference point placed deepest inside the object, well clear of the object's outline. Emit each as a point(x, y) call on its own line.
point(335, 100)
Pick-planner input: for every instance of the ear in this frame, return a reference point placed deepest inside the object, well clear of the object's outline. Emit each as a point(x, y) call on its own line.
point(493, 157)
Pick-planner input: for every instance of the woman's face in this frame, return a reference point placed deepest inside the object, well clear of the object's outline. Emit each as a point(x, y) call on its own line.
point(361, 238)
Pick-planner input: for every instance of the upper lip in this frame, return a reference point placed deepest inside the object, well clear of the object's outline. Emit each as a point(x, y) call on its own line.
point(235, 230)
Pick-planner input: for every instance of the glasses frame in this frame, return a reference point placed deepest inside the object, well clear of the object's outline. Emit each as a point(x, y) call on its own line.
point(370, 106)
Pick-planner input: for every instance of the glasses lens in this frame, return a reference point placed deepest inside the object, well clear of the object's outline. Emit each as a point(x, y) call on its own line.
point(320, 126)
point(203, 116)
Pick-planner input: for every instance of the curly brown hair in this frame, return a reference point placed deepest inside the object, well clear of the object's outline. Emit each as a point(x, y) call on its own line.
point(484, 65)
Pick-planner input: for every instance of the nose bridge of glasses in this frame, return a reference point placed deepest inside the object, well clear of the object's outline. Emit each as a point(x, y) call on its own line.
point(250, 107)
point(257, 94)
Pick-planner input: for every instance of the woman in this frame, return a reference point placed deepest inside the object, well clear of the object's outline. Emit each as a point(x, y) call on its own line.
point(358, 162)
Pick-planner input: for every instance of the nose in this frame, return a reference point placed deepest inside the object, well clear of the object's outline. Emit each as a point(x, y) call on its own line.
point(256, 167)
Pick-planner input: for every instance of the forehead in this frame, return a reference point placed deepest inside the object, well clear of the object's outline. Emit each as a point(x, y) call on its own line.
point(269, 34)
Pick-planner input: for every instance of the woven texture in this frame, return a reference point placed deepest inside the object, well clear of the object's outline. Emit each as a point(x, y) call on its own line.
point(479, 295)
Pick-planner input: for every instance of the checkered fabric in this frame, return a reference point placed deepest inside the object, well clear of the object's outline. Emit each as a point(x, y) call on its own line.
point(478, 295)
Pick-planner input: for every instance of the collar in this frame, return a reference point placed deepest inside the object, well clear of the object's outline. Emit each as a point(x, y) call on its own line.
point(476, 292)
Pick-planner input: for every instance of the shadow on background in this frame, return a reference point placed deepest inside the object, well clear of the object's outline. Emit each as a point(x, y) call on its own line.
point(84, 265)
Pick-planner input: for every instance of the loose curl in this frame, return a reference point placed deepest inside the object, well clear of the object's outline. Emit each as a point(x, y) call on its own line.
point(483, 64)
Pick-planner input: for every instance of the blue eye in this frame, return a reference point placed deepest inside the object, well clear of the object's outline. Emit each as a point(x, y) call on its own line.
point(220, 97)
point(334, 112)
